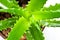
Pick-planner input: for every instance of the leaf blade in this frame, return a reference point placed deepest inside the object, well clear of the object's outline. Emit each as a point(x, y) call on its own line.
point(7, 23)
point(19, 28)
point(55, 7)
point(43, 15)
point(8, 3)
point(35, 5)
point(36, 32)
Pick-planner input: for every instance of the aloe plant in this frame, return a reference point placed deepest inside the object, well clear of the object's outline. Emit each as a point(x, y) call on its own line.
point(25, 20)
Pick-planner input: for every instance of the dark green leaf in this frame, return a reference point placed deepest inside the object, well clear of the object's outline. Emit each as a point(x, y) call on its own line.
point(36, 32)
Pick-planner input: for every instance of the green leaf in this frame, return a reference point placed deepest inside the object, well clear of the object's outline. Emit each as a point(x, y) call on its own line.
point(9, 4)
point(42, 15)
point(14, 1)
point(28, 35)
point(53, 25)
point(53, 21)
point(35, 5)
point(55, 7)
point(50, 23)
point(17, 12)
point(13, 11)
point(36, 32)
point(7, 23)
point(19, 28)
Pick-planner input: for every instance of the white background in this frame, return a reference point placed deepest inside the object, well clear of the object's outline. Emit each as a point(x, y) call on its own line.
point(52, 33)
point(49, 33)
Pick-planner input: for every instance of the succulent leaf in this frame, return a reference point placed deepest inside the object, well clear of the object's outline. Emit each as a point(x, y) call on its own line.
point(43, 15)
point(35, 5)
point(4, 24)
point(19, 28)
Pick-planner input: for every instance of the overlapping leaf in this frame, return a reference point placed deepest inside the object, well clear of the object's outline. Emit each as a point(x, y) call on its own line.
point(7, 23)
point(22, 24)
point(9, 4)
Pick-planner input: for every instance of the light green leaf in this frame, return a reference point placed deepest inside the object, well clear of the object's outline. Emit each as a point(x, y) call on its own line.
point(54, 21)
point(14, 1)
point(35, 5)
point(19, 28)
point(9, 4)
point(42, 15)
point(13, 11)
